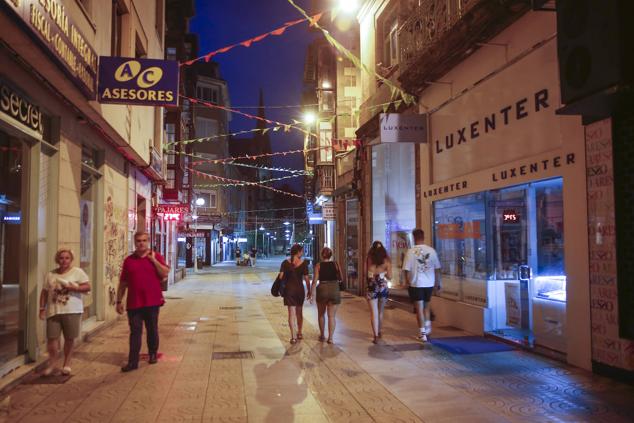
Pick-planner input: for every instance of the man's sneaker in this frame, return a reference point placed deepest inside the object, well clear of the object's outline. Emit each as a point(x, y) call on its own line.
point(428, 328)
point(422, 337)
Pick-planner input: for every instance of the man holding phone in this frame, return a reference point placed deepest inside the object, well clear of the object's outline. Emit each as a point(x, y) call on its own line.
point(141, 276)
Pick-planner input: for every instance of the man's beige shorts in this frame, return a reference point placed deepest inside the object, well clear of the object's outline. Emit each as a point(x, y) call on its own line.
point(70, 324)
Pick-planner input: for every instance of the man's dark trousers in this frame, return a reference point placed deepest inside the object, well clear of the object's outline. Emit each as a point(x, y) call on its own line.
point(136, 317)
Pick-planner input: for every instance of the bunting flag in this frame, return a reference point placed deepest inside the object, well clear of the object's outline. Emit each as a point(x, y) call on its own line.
point(273, 169)
point(218, 136)
point(243, 183)
point(286, 126)
point(395, 89)
point(247, 43)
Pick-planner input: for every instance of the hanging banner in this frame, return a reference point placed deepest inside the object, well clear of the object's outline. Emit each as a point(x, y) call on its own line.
point(397, 127)
point(145, 82)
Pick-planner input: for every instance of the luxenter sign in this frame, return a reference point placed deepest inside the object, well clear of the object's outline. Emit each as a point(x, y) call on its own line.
point(148, 82)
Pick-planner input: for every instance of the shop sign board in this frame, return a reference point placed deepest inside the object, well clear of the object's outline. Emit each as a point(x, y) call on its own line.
point(328, 211)
point(504, 118)
point(397, 127)
point(145, 82)
point(50, 24)
point(171, 212)
point(19, 108)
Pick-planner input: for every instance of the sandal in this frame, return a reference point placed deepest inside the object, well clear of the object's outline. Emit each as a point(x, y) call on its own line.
point(299, 336)
point(66, 371)
point(322, 338)
point(48, 371)
point(330, 341)
point(293, 341)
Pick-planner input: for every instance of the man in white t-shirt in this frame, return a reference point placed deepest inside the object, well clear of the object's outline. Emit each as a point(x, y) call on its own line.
point(422, 270)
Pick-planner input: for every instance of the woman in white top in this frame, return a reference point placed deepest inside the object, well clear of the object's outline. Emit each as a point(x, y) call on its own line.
point(62, 307)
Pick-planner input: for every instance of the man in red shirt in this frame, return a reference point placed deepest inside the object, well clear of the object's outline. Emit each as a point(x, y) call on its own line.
point(141, 276)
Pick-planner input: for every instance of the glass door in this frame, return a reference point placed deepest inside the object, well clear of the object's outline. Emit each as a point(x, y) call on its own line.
point(509, 216)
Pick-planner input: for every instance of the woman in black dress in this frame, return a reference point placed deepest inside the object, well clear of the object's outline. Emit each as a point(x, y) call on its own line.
point(295, 271)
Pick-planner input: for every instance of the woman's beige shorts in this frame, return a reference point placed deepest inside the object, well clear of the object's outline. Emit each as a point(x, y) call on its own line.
point(70, 324)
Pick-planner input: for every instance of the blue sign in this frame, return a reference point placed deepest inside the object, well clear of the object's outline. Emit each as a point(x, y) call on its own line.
point(147, 82)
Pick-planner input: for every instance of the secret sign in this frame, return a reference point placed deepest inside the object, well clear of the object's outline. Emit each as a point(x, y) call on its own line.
point(147, 82)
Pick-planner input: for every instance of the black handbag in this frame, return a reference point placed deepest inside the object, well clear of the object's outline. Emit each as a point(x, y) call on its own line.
point(342, 285)
point(278, 287)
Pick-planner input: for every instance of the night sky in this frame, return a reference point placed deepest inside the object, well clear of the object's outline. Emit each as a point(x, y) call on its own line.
point(275, 64)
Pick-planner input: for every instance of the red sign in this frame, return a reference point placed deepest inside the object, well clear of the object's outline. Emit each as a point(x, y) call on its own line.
point(171, 208)
point(511, 216)
point(171, 212)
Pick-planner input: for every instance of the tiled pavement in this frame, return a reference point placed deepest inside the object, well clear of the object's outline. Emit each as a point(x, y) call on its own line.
point(229, 309)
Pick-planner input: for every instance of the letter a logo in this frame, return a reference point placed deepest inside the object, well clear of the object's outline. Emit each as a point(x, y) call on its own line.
point(127, 71)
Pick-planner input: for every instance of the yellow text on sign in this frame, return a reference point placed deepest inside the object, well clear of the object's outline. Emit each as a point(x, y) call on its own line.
point(132, 69)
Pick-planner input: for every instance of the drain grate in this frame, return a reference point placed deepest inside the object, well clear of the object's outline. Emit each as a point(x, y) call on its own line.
point(231, 308)
point(232, 355)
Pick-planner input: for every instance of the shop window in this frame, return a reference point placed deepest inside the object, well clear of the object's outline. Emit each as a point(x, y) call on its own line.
point(11, 249)
point(393, 201)
point(549, 205)
point(88, 207)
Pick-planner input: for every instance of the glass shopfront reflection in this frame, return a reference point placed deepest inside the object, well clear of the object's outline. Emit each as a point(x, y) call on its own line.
point(504, 250)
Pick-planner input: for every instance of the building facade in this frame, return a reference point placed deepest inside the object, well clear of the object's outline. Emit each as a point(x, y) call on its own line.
point(74, 172)
point(501, 178)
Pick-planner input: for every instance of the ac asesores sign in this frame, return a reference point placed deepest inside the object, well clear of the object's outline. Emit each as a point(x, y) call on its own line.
point(148, 82)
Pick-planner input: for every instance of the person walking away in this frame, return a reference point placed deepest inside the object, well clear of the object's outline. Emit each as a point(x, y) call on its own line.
point(62, 306)
point(238, 256)
point(379, 268)
point(328, 297)
point(254, 253)
point(422, 270)
point(294, 271)
point(141, 276)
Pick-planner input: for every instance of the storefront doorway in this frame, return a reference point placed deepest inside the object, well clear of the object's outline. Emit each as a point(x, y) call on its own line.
point(504, 250)
point(352, 244)
point(12, 341)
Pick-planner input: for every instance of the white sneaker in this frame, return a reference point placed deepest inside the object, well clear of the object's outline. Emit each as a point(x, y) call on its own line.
point(428, 328)
point(422, 337)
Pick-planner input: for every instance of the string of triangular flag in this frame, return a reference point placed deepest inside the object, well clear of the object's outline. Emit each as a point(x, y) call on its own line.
point(395, 89)
point(272, 169)
point(286, 126)
point(247, 43)
point(243, 183)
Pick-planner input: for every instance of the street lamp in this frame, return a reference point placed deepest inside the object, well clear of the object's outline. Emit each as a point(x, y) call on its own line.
point(348, 6)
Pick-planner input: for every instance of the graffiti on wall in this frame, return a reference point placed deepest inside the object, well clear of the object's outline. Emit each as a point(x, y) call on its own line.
point(607, 347)
point(115, 240)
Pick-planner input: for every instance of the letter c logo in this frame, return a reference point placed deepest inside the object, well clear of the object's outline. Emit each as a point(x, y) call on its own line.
point(127, 71)
point(150, 77)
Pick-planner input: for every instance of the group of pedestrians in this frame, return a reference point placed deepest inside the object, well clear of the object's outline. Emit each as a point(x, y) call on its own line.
point(422, 273)
point(61, 303)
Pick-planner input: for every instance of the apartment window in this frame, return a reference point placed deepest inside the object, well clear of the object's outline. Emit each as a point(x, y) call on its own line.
point(171, 53)
point(325, 140)
point(116, 36)
point(206, 127)
point(390, 42)
point(213, 200)
point(207, 93)
point(140, 52)
point(170, 177)
point(160, 19)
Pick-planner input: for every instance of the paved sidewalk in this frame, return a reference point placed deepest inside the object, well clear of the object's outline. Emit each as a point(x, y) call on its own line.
point(229, 309)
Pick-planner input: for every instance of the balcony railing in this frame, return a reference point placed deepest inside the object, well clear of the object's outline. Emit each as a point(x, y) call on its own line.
point(326, 179)
point(437, 34)
point(427, 22)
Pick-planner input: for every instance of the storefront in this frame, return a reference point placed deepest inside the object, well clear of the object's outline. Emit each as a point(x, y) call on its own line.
point(393, 202)
point(504, 200)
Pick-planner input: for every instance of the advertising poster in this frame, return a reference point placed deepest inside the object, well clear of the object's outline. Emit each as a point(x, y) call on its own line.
point(513, 304)
point(399, 244)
